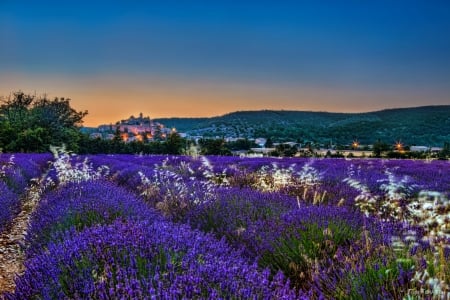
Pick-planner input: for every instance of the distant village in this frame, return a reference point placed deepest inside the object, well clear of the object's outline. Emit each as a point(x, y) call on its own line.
point(143, 129)
point(140, 129)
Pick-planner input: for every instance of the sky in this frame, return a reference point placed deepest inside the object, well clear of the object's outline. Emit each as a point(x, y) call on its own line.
point(207, 58)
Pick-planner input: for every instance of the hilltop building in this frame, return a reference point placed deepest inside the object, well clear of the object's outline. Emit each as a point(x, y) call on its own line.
point(134, 129)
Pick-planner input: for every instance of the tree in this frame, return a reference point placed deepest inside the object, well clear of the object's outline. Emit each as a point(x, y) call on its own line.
point(379, 147)
point(213, 147)
point(174, 144)
point(269, 143)
point(445, 153)
point(32, 140)
point(284, 150)
point(241, 144)
point(33, 123)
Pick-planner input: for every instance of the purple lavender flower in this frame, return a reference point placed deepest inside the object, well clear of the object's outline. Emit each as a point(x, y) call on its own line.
point(9, 205)
point(80, 205)
point(137, 260)
point(15, 173)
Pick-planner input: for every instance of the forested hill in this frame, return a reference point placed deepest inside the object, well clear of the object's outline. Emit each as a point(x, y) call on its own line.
point(427, 125)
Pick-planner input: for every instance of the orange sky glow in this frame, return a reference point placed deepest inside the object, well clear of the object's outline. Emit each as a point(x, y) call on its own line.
point(109, 99)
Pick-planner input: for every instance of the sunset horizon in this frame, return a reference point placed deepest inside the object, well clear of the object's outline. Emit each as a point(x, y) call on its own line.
point(203, 59)
point(175, 100)
point(98, 116)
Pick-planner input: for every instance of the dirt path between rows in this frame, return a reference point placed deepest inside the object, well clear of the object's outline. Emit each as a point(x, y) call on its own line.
point(11, 254)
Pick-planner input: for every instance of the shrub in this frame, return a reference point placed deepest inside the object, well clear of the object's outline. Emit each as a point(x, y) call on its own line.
point(78, 206)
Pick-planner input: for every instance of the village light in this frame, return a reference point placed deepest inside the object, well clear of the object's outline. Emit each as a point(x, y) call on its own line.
point(355, 144)
point(124, 137)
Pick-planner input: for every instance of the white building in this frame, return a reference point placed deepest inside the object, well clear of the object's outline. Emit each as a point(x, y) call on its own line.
point(419, 148)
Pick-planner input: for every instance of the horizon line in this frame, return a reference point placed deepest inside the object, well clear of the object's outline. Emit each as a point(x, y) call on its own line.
point(284, 110)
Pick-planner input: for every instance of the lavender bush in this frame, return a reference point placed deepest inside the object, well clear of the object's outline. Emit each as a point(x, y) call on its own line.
point(9, 205)
point(145, 260)
point(76, 206)
point(16, 171)
point(339, 229)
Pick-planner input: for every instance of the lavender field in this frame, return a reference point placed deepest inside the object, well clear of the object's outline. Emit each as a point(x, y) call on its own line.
point(181, 227)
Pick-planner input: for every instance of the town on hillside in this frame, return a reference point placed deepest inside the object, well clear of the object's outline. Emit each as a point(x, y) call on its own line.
point(144, 130)
point(140, 129)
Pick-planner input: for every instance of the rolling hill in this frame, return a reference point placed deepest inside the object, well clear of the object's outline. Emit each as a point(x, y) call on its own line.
point(426, 125)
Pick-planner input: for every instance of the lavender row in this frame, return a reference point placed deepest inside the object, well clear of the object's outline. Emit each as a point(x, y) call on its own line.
point(269, 230)
point(77, 206)
point(9, 205)
point(95, 240)
point(16, 171)
point(244, 172)
point(144, 260)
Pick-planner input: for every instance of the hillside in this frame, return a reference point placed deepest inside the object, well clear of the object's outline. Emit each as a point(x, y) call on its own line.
point(427, 125)
point(182, 124)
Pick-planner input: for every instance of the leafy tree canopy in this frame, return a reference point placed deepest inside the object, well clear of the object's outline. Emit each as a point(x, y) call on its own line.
point(30, 123)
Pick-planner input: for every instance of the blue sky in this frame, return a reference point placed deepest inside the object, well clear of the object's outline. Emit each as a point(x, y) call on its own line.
point(229, 55)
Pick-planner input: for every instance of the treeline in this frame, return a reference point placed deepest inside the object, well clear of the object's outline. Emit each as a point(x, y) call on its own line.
point(30, 123)
point(174, 144)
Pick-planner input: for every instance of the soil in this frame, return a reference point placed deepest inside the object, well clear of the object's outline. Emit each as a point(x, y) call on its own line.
point(11, 245)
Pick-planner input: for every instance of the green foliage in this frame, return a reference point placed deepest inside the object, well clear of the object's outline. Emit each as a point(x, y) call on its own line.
point(284, 150)
point(299, 249)
point(174, 144)
point(31, 124)
point(445, 153)
point(380, 272)
point(33, 140)
point(241, 144)
point(427, 125)
point(379, 147)
point(269, 143)
point(213, 147)
point(78, 221)
point(7, 134)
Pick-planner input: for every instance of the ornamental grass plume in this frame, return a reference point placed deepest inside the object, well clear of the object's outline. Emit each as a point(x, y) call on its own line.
point(219, 179)
point(171, 194)
point(307, 185)
point(11, 174)
point(397, 192)
point(67, 171)
point(6, 165)
point(431, 211)
point(303, 184)
point(272, 178)
point(391, 204)
point(366, 201)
